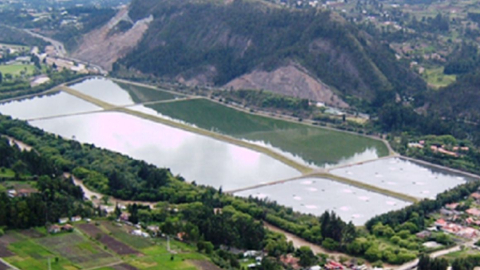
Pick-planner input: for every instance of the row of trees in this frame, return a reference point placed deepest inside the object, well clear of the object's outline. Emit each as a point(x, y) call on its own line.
point(54, 197)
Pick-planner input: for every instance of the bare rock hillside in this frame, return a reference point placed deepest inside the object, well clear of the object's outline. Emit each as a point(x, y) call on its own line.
point(290, 80)
point(102, 47)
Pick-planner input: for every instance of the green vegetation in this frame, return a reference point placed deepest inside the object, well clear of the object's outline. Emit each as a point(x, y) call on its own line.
point(436, 78)
point(17, 69)
point(10, 35)
point(278, 37)
point(6, 173)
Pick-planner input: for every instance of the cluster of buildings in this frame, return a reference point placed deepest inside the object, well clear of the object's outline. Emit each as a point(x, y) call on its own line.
point(454, 151)
point(63, 225)
point(23, 192)
point(457, 222)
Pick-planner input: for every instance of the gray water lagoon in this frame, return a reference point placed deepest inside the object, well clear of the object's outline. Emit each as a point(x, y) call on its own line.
point(403, 176)
point(317, 195)
point(105, 90)
point(197, 158)
point(56, 104)
point(120, 94)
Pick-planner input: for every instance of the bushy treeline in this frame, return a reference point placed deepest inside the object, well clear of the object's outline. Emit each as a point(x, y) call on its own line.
point(53, 198)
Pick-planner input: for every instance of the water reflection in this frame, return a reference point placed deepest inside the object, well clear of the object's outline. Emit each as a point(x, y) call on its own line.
point(316, 195)
point(52, 105)
point(403, 176)
point(197, 158)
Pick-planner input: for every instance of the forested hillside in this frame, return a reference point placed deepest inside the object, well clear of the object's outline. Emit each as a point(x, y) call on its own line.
point(219, 42)
point(460, 100)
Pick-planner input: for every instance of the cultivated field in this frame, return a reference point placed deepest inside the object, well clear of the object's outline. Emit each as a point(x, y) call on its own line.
point(110, 242)
point(78, 250)
point(103, 247)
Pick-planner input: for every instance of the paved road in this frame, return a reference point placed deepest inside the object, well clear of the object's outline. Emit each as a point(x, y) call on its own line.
point(62, 52)
point(59, 48)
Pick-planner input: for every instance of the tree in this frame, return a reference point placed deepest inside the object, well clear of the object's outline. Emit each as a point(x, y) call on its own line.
point(105, 199)
point(1, 77)
point(307, 258)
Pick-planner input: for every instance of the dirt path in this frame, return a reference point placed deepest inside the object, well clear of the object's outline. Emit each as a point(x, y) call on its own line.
point(8, 265)
point(21, 145)
point(299, 242)
point(89, 194)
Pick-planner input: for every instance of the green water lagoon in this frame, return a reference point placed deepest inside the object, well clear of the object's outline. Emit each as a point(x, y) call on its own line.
point(314, 146)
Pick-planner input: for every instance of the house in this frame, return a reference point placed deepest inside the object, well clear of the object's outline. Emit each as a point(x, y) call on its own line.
point(54, 229)
point(468, 232)
point(423, 234)
point(153, 228)
point(451, 206)
point(136, 232)
point(180, 236)
point(140, 233)
point(25, 192)
point(67, 227)
point(475, 195)
point(473, 212)
point(62, 220)
point(251, 253)
point(333, 265)
point(440, 223)
point(446, 212)
point(289, 260)
point(124, 216)
point(12, 193)
point(38, 80)
point(76, 218)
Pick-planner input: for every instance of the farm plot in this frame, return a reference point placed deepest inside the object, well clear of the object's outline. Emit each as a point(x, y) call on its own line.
point(78, 250)
point(124, 266)
point(121, 233)
point(32, 256)
point(113, 244)
point(4, 252)
point(3, 266)
point(6, 240)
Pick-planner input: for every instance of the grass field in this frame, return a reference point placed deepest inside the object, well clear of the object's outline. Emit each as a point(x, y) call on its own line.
point(13, 46)
point(16, 69)
point(437, 79)
point(6, 173)
point(462, 253)
point(18, 184)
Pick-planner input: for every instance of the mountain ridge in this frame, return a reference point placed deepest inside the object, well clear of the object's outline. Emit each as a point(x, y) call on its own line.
point(319, 54)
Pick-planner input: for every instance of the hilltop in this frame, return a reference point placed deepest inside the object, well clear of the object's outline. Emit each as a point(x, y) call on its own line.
point(251, 44)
